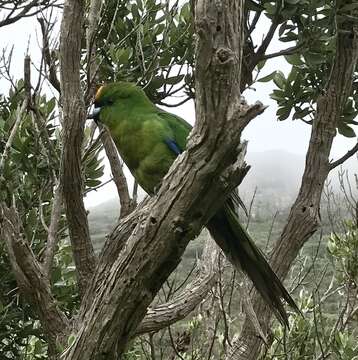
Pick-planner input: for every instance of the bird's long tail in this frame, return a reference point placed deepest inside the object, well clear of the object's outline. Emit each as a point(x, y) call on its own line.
point(243, 254)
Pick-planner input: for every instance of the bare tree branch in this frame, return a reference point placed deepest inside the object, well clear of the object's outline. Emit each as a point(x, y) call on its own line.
point(303, 219)
point(52, 230)
point(289, 51)
point(31, 278)
point(249, 309)
point(184, 303)
point(19, 113)
point(74, 115)
point(53, 79)
point(124, 287)
point(119, 178)
point(19, 116)
point(25, 10)
point(258, 55)
point(345, 157)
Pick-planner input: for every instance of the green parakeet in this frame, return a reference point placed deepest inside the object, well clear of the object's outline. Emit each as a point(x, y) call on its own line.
point(148, 140)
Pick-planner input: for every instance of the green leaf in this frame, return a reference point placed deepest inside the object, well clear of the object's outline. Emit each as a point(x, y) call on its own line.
point(270, 8)
point(282, 29)
point(294, 59)
point(300, 114)
point(39, 348)
point(51, 105)
point(268, 77)
point(292, 2)
point(289, 11)
point(71, 339)
point(159, 29)
point(93, 183)
point(185, 10)
point(157, 82)
point(283, 113)
point(314, 58)
point(174, 79)
point(346, 130)
point(134, 11)
point(349, 7)
point(140, 5)
point(261, 64)
point(290, 36)
point(349, 118)
point(278, 95)
point(253, 6)
point(294, 76)
point(123, 55)
point(279, 79)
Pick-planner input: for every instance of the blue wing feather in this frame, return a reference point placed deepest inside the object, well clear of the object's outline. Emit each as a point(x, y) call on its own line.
point(173, 146)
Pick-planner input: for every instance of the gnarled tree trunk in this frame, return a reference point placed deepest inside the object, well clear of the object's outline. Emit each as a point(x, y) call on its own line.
point(303, 219)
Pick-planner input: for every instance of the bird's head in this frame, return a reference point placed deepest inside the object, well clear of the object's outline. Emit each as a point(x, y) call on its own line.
point(117, 96)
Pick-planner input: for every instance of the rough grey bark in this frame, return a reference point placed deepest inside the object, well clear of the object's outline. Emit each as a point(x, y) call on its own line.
point(74, 115)
point(122, 292)
point(46, 54)
point(127, 204)
point(156, 235)
point(303, 219)
point(52, 237)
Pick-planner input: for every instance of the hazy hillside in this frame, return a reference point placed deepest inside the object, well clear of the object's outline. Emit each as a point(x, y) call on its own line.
point(274, 174)
point(101, 219)
point(274, 170)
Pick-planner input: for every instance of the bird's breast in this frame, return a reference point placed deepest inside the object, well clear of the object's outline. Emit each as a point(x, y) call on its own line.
point(145, 153)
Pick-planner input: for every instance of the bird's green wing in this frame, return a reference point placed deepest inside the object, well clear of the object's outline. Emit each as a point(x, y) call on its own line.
point(180, 130)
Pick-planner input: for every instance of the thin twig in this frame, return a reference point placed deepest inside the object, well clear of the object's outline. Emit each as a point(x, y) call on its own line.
point(250, 208)
point(118, 175)
point(53, 79)
point(345, 157)
point(289, 51)
point(19, 116)
point(52, 237)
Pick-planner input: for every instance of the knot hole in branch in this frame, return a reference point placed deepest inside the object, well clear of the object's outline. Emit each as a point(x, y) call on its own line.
point(224, 55)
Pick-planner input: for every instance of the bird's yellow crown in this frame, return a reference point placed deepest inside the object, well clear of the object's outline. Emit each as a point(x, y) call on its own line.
point(98, 93)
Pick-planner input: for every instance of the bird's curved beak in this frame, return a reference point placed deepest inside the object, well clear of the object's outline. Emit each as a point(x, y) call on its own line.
point(94, 114)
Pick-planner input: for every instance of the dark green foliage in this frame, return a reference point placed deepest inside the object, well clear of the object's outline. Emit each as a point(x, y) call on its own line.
point(27, 171)
point(344, 251)
point(147, 42)
point(152, 43)
point(29, 177)
point(328, 300)
point(312, 26)
point(17, 318)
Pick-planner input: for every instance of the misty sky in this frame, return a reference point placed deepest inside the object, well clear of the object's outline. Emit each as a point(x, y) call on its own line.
point(264, 133)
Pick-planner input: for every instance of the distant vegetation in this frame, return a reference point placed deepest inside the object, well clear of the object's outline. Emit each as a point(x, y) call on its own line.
point(315, 277)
